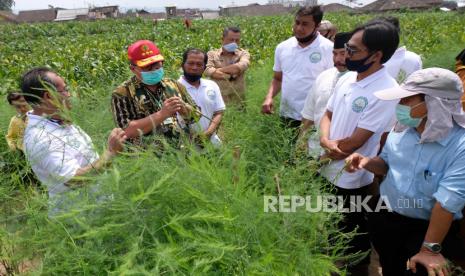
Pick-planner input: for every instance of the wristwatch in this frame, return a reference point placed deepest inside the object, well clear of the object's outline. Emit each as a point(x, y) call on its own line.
point(432, 246)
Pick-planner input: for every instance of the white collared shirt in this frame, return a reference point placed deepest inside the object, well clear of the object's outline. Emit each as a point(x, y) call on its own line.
point(354, 105)
point(208, 97)
point(56, 152)
point(300, 67)
point(402, 64)
point(315, 105)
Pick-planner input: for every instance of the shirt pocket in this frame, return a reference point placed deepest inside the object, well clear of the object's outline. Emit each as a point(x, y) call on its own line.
point(431, 182)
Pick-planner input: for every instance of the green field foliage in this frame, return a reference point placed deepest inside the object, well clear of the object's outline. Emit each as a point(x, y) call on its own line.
point(182, 213)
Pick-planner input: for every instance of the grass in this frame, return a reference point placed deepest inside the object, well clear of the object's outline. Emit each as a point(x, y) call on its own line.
point(183, 212)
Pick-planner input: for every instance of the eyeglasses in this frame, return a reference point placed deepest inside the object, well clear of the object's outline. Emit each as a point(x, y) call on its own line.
point(350, 51)
point(65, 90)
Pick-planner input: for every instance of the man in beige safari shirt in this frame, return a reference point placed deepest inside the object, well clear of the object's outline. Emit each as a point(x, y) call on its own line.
point(227, 66)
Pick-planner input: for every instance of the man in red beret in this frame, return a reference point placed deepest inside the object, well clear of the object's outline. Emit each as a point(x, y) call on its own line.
point(148, 103)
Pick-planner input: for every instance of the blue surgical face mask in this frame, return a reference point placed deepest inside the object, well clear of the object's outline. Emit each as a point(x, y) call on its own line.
point(152, 77)
point(231, 47)
point(404, 117)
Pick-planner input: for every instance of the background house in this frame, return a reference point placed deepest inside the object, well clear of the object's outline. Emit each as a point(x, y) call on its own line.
point(32, 16)
point(393, 5)
point(71, 14)
point(255, 10)
point(104, 12)
point(335, 7)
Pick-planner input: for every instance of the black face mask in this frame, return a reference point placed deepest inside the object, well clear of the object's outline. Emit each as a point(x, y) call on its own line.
point(358, 65)
point(191, 77)
point(307, 38)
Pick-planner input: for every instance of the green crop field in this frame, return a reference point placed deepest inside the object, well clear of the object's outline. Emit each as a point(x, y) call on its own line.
point(183, 212)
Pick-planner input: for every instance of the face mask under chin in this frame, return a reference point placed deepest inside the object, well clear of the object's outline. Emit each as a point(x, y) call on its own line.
point(307, 38)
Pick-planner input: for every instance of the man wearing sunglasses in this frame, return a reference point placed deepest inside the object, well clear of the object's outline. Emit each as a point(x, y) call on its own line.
point(355, 120)
point(149, 103)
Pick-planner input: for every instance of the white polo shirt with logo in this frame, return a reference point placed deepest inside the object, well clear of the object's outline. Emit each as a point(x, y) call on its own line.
point(353, 105)
point(402, 64)
point(300, 68)
point(208, 98)
point(315, 105)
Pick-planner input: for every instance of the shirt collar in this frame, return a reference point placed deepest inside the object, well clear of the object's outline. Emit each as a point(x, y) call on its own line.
point(36, 118)
point(315, 43)
point(371, 78)
point(443, 142)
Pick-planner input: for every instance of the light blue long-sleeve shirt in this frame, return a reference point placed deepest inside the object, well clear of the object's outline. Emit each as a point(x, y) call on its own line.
point(422, 174)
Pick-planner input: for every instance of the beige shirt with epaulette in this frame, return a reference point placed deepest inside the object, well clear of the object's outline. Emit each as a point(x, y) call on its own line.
point(232, 90)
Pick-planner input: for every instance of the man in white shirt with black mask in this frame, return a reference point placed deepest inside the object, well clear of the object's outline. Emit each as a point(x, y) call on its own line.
point(298, 62)
point(355, 120)
point(205, 93)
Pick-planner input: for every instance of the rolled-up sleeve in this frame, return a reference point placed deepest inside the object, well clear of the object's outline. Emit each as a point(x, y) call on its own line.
point(451, 190)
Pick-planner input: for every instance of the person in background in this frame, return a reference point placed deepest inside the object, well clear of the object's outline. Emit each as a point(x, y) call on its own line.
point(14, 136)
point(227, 66)
point(327, 29)
point(297, 63)
point(403, 62)
point(206, 94)
point(317, 99)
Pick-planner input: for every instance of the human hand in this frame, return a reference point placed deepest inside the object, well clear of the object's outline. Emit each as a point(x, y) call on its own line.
point(434, 263)
point(116, 141)
point(267, 106)
point(171, 106)
point(356, 162)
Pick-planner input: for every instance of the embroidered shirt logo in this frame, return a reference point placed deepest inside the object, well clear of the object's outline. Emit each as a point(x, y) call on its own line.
point(315, 57)
point(359, 104)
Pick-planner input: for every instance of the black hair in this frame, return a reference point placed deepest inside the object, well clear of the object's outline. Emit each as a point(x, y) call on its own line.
point(233, 29)
point(13, 96)
point(379, 36)
point(315, 11)
point(391, 19)
point(194, 51)
point(35, 82)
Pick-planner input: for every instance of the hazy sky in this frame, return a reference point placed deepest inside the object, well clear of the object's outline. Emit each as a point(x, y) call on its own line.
point(149, 4)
